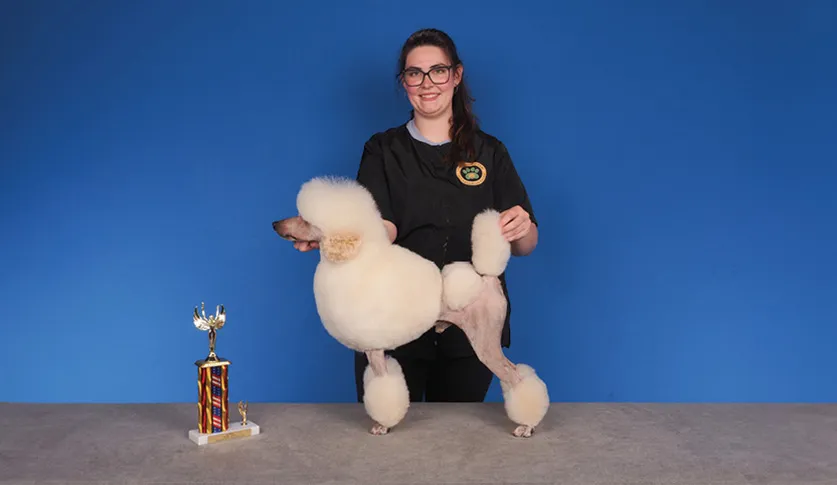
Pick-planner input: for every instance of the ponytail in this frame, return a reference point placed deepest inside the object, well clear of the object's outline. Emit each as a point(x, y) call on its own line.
point(463, 127)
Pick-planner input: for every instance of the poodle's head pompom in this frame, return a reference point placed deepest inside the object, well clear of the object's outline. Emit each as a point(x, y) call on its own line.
point(335, 204)
point(343, 213)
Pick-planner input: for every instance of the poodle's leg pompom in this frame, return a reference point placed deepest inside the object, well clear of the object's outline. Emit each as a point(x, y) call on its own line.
point(461, 285)
point(527, 401)
point(491, 251)
point(385, 397)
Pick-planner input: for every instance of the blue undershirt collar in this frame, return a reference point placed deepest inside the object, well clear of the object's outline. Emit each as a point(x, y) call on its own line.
point(415, 133)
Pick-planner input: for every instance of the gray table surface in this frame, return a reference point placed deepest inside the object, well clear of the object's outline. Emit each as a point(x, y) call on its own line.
point(608, 443)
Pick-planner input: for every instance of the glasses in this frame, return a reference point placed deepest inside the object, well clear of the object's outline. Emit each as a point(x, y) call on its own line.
point(415, 77)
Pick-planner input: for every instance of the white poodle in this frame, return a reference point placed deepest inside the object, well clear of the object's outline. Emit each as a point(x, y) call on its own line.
point(373, 296)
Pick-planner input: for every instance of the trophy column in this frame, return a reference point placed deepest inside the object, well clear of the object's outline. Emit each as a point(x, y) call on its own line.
point(213, 390)
point(213, 396)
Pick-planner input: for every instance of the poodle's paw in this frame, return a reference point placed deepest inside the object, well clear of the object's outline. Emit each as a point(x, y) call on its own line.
point(386, 397)
point(527, 401)
point(524, 431)
point(379, 430)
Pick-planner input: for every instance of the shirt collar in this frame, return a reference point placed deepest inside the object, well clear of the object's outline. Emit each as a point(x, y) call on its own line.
point(415, 133)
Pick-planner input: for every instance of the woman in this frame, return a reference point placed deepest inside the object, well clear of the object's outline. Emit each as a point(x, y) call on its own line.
point(430, 177)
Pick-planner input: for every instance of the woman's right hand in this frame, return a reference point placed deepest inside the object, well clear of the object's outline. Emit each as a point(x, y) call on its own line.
point(305, 246)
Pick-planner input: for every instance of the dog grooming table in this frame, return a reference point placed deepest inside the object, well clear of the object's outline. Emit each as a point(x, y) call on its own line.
point(436, 444)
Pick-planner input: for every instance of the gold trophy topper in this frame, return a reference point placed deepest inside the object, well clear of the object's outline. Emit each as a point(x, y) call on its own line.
point(211, 323)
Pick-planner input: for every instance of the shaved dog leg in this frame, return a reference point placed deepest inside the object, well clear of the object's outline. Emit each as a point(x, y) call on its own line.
point(377, 361)
point(482, 322)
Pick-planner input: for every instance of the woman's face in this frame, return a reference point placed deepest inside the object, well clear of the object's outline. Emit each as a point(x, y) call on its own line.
point(429, 81)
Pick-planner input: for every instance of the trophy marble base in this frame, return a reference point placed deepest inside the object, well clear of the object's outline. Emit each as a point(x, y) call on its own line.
point(235, 431)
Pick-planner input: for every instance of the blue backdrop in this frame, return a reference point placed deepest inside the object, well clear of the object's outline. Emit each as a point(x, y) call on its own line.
point(680, 156)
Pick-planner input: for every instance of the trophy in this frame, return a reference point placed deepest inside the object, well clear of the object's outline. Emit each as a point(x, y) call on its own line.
point(213, 389)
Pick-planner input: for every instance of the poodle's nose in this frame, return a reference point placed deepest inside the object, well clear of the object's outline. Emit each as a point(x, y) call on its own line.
point(277, 227)
point(281, 231)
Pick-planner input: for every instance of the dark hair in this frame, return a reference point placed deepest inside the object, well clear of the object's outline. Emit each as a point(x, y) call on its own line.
point(464, 123)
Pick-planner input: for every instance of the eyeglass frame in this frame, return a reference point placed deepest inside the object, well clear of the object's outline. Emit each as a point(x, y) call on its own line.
point(426, 74)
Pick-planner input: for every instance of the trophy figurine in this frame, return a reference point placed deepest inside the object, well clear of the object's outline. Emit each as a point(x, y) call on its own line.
point(213, 389)
point(242, 410)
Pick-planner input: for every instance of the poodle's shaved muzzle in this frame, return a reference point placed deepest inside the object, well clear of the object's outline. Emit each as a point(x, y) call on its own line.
point(297, 229)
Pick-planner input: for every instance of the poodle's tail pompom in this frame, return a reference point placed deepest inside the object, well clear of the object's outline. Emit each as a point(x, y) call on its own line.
point(386, 398)
point(528, 401)
point(461, 285)
point(491, 251)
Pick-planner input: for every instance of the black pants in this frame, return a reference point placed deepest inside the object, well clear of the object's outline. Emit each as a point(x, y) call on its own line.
point(438, 368)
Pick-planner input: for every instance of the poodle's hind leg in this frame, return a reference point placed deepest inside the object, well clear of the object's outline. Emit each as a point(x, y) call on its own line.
point(385, 394)
point(527, 401)
point(525, 394)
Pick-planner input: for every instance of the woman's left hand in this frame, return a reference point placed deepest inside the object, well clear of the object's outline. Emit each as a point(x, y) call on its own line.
point(515, 223)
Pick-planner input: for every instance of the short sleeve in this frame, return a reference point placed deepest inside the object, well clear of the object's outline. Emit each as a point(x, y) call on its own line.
point(371, 174)
point(508, 188)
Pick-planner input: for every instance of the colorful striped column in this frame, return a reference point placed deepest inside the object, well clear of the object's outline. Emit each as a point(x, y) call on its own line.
point(213, 397)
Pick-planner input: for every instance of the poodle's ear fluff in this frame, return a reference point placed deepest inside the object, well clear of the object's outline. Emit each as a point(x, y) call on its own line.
point(340, 247)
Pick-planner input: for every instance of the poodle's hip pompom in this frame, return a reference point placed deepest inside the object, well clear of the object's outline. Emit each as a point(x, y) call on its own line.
point(386, 398)
point(528, 401)
point(491, 251)
point(461, 285)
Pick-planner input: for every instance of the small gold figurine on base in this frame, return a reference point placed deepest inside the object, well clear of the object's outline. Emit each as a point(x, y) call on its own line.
point(242, 410)
point(213, 389)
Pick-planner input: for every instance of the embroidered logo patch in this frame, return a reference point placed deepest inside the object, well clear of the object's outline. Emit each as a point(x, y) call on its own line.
point(471, 173)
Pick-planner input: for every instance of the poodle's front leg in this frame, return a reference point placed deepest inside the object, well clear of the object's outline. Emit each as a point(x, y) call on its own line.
point(377, 362)
point(385, 396)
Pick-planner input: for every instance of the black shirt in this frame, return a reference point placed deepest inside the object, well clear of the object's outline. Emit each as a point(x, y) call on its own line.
point(433, 202)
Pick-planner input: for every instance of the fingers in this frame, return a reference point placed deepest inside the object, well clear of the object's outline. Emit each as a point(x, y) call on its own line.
point(305, 246)
point(509, 215)
point(516, 229)
point(515, 223)
point(511, 228)
point(519, 231)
